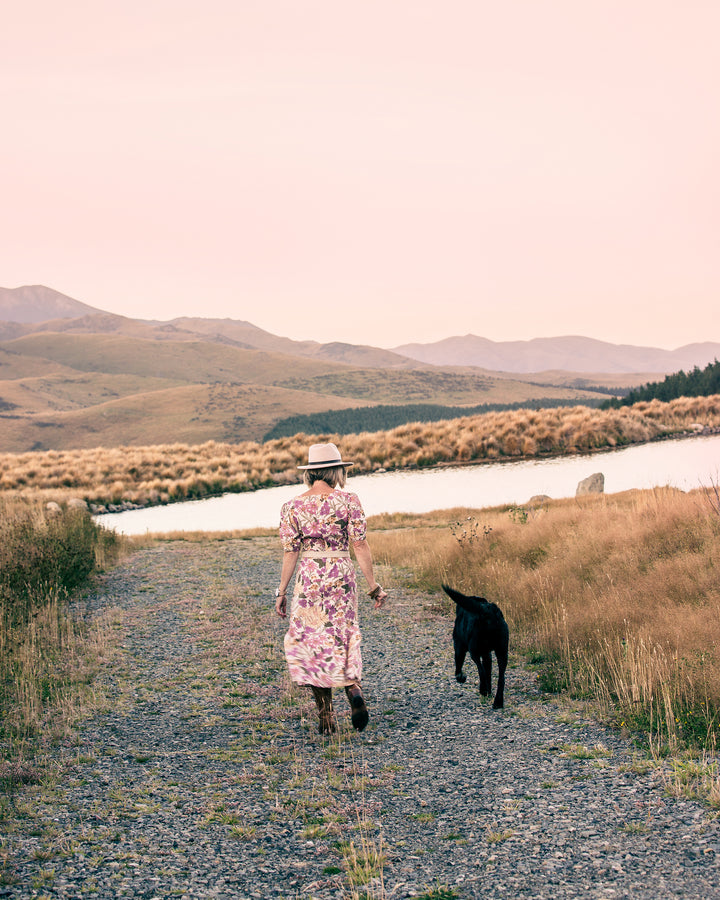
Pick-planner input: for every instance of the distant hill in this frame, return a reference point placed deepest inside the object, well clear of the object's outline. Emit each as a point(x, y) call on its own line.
point(572, 354)
point(69, 390)
point(31, 309)
point(72, 375)
point(244, 334)
point(36, 303)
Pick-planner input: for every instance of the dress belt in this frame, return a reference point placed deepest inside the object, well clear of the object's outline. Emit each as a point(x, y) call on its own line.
point(322, 554)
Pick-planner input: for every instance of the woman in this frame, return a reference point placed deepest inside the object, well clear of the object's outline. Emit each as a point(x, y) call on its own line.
point(322, 644)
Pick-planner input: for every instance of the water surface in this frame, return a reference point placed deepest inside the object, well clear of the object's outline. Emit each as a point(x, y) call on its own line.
point(683, 463)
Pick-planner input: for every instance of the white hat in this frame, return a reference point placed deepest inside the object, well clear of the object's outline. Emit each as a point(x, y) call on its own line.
point(322, 456)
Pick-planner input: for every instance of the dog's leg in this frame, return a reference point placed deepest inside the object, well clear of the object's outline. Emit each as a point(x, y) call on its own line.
point(484, 679)
point(485, 672)
point(460, 651)
point(502, 660)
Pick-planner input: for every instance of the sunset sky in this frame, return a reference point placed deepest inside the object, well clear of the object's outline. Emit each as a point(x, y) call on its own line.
point(376, 172)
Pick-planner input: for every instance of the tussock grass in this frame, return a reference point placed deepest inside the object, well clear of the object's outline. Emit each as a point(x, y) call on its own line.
point(613, 597)
point(170, 472)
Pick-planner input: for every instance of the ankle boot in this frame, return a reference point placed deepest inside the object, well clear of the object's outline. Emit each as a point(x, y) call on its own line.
point(359, 715)
point(323, 699)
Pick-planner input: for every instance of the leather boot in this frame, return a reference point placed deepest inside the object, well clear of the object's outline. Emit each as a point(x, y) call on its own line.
point(323, 699)
point(359, 715)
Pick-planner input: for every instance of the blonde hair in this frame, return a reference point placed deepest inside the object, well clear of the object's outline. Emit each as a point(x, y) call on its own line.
point(335, 476)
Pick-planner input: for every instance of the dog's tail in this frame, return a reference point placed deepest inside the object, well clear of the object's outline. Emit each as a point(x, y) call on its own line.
point(475, 605)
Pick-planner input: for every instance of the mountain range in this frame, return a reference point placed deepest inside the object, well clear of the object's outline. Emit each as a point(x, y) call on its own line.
point(29, 309)
point(569, 353)
point(72, 375)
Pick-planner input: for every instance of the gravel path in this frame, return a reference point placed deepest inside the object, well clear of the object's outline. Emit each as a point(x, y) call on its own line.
point(205, 777)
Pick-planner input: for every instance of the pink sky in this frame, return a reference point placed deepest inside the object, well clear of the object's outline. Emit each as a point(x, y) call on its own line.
point(369, 172)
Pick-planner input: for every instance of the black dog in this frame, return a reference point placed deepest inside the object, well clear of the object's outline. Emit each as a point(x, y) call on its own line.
point(480, 628)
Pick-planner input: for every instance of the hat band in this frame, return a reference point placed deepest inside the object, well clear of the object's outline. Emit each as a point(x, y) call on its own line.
point(325, 462)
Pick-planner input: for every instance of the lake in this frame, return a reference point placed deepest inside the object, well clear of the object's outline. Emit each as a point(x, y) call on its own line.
point(685, 463)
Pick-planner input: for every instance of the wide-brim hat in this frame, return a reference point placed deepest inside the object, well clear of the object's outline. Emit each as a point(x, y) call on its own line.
point(322, 456)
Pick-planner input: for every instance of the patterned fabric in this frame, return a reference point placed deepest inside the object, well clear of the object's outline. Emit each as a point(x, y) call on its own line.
point(322, 644)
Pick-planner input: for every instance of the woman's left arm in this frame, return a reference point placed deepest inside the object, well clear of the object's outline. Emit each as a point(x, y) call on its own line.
point(290, 558)
point(364, 558)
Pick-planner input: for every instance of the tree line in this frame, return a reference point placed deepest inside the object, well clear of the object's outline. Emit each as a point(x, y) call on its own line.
point(383, 418)
point(697, 383)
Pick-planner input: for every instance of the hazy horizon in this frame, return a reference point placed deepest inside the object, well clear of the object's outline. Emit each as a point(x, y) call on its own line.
point(378, 174)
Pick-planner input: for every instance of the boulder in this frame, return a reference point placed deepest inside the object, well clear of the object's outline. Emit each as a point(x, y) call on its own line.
point(593, 484)
point(77, 503)
point(538, 500)
point(52, 508)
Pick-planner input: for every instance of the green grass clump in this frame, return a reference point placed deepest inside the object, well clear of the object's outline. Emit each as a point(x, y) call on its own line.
point(43, 554)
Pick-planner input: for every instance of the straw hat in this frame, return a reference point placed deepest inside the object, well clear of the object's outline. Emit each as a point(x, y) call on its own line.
point(322, 456)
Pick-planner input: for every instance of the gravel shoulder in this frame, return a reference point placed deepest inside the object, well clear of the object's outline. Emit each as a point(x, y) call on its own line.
point(204, 776)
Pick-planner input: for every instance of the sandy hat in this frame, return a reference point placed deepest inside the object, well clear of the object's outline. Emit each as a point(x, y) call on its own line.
point(322, 456)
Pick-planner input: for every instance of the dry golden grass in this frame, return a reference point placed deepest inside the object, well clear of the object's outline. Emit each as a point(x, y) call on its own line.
point(163, 473)
point(617, 595)
point(50, 664)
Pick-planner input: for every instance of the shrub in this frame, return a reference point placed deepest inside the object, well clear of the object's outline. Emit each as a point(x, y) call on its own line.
point(42, 556)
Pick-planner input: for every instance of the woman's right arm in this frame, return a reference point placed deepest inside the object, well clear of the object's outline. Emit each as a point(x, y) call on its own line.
point(290, 558)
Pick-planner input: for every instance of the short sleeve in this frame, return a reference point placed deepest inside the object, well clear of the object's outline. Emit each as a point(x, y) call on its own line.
point(289, 529)
point(357, 526)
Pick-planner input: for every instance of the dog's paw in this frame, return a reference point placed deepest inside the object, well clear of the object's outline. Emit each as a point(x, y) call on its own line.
point(461, 678)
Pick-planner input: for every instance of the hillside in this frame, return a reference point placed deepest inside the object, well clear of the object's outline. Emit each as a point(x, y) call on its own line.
point(36, 303)
point(39, 310)
point(247, 335)
point(66, 390)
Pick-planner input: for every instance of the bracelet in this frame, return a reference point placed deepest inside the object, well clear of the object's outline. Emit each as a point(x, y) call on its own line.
point(375, 592)
point(279, 593)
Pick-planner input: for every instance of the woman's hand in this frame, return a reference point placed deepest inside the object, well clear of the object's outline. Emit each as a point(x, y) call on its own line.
point(378, 595)
point(281, 606)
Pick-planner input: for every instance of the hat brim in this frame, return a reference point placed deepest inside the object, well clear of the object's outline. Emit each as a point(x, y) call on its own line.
point(327, 465)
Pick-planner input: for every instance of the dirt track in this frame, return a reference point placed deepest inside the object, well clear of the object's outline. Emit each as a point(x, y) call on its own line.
point(206, 777)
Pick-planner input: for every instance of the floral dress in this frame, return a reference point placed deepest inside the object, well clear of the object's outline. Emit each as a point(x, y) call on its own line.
point(322, 644)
